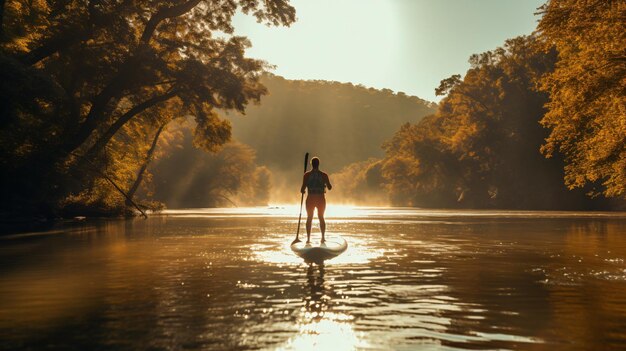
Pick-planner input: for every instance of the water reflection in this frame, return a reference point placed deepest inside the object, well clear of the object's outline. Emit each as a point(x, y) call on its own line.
point(318, 326)
point(409, 280)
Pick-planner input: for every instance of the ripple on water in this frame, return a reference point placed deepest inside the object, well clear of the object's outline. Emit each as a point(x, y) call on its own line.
point(227, 279)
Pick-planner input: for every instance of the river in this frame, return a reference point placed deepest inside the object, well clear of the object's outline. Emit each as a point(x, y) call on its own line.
point(214, 279)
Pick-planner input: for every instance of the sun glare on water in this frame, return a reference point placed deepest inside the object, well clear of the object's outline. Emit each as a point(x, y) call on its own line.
point(328, 331)
point(332, 211)
point(342, 211)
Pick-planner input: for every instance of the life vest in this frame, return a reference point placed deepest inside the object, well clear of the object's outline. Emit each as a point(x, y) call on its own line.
point(315, 183)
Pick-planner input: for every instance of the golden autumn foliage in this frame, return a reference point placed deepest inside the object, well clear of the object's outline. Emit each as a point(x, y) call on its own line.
point(587, 108)
point(360, 182)
point(85, 85)
point(482, 147)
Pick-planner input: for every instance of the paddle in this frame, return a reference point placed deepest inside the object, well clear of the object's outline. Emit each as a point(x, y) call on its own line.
point(306, 160)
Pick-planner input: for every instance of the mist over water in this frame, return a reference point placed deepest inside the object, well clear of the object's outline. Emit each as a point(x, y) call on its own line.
point(225, 278)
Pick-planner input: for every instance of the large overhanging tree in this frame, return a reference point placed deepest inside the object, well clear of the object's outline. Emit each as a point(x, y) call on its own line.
point(587, 108)
point(73, 73)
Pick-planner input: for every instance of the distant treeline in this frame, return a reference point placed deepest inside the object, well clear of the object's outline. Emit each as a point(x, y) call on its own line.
point(343, 121)
point(539, 123)
point(340, 122)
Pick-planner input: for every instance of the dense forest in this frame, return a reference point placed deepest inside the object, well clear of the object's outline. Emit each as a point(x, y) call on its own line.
point(87, 88)
point(539, 123)
point(117, 107)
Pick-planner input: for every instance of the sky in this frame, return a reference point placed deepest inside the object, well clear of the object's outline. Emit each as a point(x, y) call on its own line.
point(402, 45)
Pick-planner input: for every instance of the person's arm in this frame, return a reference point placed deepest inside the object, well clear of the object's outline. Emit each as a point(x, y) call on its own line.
point(327, 180)
point(303, 187)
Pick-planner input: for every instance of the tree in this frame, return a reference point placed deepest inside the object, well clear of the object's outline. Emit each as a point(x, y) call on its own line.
point(106, 185)
point(587, 108)
point(360, 182)
point(186, 176)
point(481, 148)
point(326, 115)
point(76, 72)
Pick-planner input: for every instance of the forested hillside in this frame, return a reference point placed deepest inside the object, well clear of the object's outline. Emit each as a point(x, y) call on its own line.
point(339, 122)
point(536, 124)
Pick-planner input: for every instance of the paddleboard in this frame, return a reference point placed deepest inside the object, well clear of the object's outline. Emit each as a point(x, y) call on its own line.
point(317, 253)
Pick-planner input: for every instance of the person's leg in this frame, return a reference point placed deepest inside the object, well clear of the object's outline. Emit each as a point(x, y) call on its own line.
point(321, 208)
point(310, 208)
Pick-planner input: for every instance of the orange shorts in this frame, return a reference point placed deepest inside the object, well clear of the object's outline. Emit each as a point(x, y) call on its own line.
point(314, 201)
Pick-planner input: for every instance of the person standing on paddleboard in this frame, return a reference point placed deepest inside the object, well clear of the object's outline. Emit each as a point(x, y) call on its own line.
point(316, 182)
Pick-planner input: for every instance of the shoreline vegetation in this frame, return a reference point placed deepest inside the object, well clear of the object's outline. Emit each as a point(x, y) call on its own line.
point(110, 111)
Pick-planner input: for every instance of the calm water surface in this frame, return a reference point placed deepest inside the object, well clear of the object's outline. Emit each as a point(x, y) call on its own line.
point(226, 279)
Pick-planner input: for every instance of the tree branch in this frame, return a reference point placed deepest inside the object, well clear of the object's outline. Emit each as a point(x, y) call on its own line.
point(70, 35)
point(117, 187)
point(144, 166)
point(226, 198)
point(61, 41)
point(135, 110)
point(473, 98)
point(164, 14)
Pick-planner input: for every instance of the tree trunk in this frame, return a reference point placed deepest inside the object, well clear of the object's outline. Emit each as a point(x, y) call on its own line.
point(164, 14)
point(144, 166)
point(1, 18)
